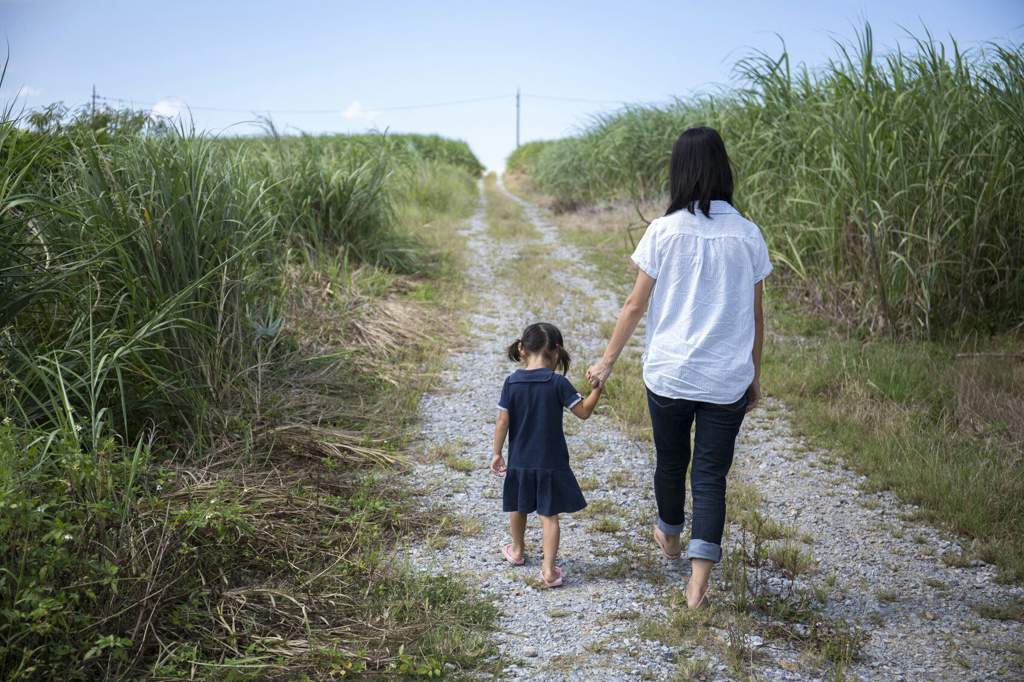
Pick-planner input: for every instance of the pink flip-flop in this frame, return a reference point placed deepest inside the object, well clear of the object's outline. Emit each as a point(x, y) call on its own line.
point(506, 551)
point(557, 582)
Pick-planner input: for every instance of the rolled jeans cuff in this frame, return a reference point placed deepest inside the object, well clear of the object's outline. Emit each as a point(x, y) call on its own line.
point(702, 549)
point(669, 528)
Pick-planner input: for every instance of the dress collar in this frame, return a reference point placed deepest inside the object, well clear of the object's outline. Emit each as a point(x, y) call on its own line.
point(525, 376)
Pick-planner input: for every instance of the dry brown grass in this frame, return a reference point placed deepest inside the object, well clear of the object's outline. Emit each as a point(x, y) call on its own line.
point(989, 393)
point(271, 549)
point(308, 501)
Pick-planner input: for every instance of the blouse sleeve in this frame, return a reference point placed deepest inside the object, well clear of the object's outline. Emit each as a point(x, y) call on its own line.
point(646, 253)
point(567, 392)
point(762, 264)
point(503, 400)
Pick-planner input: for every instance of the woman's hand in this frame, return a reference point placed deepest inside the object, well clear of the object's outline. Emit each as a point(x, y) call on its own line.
point(625, 325)
point(753, 394)
point(598, 373)
point(498, 466)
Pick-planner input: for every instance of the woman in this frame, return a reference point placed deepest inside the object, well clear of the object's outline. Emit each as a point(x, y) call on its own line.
point(701, 268)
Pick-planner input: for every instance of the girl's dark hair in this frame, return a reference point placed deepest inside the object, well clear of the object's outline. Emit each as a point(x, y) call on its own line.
point(541, 337)
point(699, 171)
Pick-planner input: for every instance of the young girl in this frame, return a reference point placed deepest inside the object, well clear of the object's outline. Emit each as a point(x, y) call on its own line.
point(538, 477)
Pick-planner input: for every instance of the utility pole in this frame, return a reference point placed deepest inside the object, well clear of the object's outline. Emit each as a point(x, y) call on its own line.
point(517, 118)
point(93, 100)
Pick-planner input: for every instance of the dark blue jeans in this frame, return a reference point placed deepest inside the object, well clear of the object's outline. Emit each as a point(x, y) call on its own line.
point(713, 446)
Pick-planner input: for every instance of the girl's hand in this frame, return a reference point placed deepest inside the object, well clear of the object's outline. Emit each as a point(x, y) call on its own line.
point(753, 395)
point(498, 466)
point(598, 373)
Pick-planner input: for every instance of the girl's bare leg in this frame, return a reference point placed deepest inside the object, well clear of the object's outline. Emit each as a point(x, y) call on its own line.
point(517, 526)
point(552, 532)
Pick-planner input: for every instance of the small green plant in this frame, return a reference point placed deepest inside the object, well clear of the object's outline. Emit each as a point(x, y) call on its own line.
point(619, 478)
point(606, 524)
point(599, 507)
point(460, 463)
point(764, 527)
point(792, 559)
point(1010, 610)
point(887, 596)
point(692, 669)
point(956, 559)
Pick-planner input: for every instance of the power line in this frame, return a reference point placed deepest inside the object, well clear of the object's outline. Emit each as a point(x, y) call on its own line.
point(585, 100)
point(443, 104)
point(337, 111)
point(404, 107)
point(369, 112)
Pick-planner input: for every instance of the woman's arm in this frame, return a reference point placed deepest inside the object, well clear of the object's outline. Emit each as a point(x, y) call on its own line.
point(498, 465)
point(754, 392)
point(629, 317)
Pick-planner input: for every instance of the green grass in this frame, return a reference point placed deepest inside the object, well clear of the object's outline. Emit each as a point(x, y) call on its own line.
point(619, 478)
point(1012, 610)
point(889, 185)
point(599, 507)
point(626, 396)
point(940, 423)
point(606, 524)
point(914, 419)
point(458, 463)
point(204, 345)
point(506, 218)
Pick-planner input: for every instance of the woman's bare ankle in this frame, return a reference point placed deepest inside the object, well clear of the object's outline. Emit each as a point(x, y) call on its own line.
point(696, 591)
point(673, 543)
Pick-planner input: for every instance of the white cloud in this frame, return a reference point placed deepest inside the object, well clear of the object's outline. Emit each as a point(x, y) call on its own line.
point(167, 108)
point(357, 111)
point(28, 91)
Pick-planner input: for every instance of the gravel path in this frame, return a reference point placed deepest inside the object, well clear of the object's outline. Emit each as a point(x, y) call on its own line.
point(886, 571)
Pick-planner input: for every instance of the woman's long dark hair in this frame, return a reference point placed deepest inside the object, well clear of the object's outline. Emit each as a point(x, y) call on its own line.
point(544, 338)
point(699, 171)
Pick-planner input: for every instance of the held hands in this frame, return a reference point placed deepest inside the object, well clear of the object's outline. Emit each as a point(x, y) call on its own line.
point(753, 395)
point(598, 373)
point(498, 466)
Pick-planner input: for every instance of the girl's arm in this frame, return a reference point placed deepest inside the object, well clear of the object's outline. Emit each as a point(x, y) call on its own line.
point(754, 392)
point(632, 310)
point(498, 465)
point(584, 408)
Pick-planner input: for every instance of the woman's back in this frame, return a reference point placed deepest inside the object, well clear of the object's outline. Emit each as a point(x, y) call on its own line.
point(700, 324)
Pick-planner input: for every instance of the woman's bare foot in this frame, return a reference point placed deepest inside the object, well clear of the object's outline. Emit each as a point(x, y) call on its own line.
point(670, 545)
point(699, 583)
point(697, 595)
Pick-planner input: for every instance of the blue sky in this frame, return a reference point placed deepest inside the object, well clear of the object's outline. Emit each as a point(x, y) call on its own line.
point(353, 61)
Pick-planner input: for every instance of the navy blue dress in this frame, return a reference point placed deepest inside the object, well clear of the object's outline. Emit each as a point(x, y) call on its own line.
point(539, 478)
